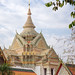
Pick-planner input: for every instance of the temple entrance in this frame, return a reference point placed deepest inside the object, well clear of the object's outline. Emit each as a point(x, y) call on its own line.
point(51, 71)
point(45, 71)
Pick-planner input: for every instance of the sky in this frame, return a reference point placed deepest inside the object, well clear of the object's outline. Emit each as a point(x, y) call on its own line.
point(52, 24)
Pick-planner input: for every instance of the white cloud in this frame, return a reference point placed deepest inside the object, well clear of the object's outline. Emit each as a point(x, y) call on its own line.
point(13, 16)
point(2, 1)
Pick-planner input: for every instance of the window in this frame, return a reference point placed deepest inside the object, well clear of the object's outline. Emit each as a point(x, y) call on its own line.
point(45, 71)
point(24, 37)
point(33, 37)
point(24, 48)
point(28, 47)
point(31, 47)
point(17, 58)
point(51, 71)
point(0, 53)
point(23, 58)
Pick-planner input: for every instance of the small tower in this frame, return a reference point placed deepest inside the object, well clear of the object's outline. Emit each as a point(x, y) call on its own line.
point(29, 32)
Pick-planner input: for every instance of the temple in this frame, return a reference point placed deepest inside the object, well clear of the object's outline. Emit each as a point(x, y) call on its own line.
point(30, 50)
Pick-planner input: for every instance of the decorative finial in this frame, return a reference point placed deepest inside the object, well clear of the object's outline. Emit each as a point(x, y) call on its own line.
point(29, 12)
point(29, 3)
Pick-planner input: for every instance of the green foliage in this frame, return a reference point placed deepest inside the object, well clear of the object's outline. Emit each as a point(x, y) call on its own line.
point(58, 4)
point(5, 69)
point(74, 3)
point(48, 4)
point(55, 4)
point(71, 2)
point(57, 0)
point(55, 8)
point(72, 24)
point(73, 14)
point(61, 4)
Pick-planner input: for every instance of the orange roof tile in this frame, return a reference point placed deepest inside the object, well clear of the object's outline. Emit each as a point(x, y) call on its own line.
point(71, 67)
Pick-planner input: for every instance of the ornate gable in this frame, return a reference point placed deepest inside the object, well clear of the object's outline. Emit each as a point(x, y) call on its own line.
point(54, 55)
point(40, 42)
point(64, 70)
point(16, 45)
point(17, 42)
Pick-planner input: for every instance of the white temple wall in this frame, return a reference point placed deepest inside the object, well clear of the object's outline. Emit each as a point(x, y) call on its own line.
point(63, 71)
point(37, 70)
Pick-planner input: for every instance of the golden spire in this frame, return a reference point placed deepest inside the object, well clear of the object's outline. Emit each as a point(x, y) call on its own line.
point(28, 26)
point(29, 3)
point(29, 12)
point(29, 23)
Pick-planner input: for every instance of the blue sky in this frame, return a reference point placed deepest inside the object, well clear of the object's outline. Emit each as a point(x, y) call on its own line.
point(13, 15)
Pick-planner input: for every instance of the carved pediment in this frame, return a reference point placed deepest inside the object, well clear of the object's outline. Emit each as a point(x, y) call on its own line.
point(40, 42)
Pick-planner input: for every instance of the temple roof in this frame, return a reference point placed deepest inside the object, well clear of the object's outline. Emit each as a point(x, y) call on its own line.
point(71, 68)
point(29, 23)
point(28, 32)
point(29, 26)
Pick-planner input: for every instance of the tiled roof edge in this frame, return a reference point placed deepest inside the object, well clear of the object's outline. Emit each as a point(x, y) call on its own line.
point(23, 70)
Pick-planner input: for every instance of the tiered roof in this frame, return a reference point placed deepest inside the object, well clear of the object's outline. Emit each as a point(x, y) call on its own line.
point(29, 26)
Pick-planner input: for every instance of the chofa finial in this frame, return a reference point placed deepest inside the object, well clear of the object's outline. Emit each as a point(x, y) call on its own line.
point(29, 3)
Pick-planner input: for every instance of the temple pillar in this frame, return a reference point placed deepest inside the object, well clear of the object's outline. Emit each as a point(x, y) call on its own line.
point(48, 71)
point(41, 70)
